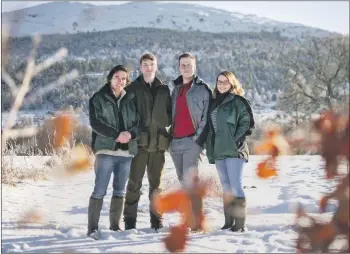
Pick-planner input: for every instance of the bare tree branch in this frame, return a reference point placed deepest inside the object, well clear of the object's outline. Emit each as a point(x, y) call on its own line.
point(62, 53)
point(61, 81)
point(24, 87)
point(9, 82)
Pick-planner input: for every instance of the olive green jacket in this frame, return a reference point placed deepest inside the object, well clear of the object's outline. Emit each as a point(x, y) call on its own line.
point(154, 105)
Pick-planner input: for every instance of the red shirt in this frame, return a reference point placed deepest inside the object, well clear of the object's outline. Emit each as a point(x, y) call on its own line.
point(183, 125)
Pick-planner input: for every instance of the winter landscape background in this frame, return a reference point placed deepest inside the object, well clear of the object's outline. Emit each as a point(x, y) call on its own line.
point(291, 72)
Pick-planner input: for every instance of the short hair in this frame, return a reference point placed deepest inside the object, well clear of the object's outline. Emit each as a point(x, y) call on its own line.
point(116, 69)
point(148, 56)
point(187, 54)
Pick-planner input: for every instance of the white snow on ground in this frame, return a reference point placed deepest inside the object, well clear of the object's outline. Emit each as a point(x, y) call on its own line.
point(64, 202)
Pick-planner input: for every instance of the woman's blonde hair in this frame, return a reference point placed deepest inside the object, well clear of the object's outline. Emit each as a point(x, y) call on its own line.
point(236, 86)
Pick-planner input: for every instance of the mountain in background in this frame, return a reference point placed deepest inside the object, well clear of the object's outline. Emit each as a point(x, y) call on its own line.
point(73, 17)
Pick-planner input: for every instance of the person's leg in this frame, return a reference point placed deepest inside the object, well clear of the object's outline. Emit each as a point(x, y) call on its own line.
point(235, 170)
point(176, 155)
point(223, 175)
point(226, 188)
point(133, 190)
point(103, 170)
point(191, 156)
point(120, 177)
point(154, 172)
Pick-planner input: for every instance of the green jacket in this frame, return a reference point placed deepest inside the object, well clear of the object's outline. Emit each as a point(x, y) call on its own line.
point(234, 122)
point(154, 105)
point(105, 123)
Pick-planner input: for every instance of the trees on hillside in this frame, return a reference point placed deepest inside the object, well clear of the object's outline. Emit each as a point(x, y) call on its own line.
point(317, 76)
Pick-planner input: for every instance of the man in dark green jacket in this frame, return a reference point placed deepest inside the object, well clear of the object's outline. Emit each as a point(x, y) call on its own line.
point(154, 105)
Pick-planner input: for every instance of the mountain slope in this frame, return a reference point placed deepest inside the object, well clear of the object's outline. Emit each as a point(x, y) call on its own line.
point(70, 17)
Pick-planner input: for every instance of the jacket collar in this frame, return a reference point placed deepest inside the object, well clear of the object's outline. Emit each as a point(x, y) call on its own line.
point(196, 80)
point(108, 93)
point(156, 82)
point(228, 98)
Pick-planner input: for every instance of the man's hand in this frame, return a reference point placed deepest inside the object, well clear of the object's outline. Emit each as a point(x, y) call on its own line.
point(124, 137)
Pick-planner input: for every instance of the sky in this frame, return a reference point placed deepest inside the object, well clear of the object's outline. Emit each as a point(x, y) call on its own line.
point(328, 15)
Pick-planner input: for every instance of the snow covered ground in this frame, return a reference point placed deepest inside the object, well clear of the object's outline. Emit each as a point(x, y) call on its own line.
point(63, 205)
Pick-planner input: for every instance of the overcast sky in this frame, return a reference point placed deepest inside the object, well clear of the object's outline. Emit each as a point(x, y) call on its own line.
point(328, 15)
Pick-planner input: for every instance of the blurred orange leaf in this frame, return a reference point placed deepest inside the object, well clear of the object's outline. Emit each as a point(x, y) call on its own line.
point(79, 160)
point(267, 168)
point(334, 131)
point(323, 204)
point(64, 127)
point(176, 240)
point(187, 201)
point(266, 147)
point(31, 216)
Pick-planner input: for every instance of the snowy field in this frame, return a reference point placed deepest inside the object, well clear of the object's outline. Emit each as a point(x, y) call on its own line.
point(63, 205)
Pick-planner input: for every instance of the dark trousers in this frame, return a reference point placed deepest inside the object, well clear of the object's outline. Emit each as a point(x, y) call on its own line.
point(154, 162)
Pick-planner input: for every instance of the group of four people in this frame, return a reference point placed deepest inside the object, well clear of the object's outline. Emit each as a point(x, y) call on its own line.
point(134, 124)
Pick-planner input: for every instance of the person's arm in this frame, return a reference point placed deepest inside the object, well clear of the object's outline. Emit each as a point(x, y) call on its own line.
point(99, 126)
point(245, 122)
point(169, 108)
point(136, 129)
point(204, 119)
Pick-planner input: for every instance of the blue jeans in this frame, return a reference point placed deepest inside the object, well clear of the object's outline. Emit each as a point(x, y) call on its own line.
point(230, 174)
point(104, 166)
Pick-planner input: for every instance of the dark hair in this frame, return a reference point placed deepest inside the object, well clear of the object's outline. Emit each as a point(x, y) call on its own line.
point(116, 69)
point(148, 56)
point(187, 54)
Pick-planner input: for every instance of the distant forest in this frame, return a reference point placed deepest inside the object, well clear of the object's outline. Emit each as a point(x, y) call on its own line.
point(259, 60)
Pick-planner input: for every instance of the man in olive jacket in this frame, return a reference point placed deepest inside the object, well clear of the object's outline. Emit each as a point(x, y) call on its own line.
point(154, 105)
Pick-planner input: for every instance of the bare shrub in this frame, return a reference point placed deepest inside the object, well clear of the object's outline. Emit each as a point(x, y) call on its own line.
point(12, 174)
point(43, 142)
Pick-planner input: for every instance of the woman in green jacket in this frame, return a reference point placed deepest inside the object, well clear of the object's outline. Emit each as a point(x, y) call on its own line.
point(231, 120)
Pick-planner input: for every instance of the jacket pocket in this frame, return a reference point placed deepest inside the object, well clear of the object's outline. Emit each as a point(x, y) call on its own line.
point(230, 120)
point(143, 140)
point(132, 145)
point(104, 143)
point(231, 128)
point(231, 125)
point(163, 140)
